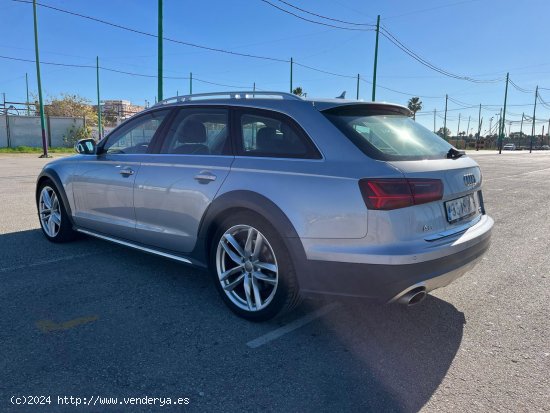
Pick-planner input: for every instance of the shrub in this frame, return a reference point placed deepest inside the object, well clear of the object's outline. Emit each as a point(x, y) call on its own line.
point(76, 133)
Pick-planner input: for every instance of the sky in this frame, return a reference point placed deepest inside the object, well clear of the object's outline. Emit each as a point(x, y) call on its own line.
point(481, 39)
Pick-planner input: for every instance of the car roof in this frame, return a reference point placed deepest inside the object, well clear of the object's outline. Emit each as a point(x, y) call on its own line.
point(274, 100)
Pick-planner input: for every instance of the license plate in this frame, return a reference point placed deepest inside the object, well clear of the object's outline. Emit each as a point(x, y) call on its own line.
point(460, 208)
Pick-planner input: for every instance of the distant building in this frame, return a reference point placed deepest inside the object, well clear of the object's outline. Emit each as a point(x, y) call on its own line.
point(116, 111)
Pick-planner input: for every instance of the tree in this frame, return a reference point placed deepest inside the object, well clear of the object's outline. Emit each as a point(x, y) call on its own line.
point(414, 105)
point(299, 92)
point(70, 106)
point(447, 133)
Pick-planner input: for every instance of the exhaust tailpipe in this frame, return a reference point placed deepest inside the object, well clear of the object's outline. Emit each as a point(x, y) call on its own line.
point(413, 297)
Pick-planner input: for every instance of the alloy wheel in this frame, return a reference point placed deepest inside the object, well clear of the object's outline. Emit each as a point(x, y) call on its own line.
point(247, 268)
point(50, 212)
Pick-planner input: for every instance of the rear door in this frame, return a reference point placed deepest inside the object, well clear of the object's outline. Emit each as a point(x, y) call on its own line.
point(174, 187)
point(103, 186)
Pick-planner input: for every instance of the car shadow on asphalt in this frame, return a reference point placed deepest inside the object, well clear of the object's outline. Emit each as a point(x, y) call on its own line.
point(404, 352)
point(160, 328)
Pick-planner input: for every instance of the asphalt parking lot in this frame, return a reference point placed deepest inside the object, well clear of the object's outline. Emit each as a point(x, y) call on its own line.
point(90, 319)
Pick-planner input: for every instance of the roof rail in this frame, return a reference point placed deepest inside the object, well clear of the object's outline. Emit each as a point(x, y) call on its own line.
point(231, 95)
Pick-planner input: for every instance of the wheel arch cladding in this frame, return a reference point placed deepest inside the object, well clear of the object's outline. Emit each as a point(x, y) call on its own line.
point(235, 201)
point(51, 175)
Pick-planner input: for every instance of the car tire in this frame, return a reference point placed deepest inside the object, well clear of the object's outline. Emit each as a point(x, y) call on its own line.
point(252, 268)
point(52, 214)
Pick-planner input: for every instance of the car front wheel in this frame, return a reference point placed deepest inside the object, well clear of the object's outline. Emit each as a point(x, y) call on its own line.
point(52, 214)
point(253, 270)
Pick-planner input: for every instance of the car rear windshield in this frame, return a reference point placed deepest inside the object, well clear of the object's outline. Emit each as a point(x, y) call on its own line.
point(392, 136)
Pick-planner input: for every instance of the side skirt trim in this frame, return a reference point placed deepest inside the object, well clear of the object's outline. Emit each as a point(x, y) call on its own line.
point(135, 246)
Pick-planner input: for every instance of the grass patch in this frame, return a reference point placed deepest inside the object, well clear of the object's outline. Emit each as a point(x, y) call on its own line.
point(29, 149)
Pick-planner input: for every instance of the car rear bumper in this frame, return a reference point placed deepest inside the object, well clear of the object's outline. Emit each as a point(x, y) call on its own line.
point(436, 267)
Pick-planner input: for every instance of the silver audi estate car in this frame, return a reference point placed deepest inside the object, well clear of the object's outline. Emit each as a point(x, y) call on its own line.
point(278, 197)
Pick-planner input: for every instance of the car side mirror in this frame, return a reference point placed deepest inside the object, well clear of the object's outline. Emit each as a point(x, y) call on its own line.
point(86, 147)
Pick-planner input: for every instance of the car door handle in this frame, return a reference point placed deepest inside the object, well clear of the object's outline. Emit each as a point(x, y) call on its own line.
point(126, 172)
point(205, 177)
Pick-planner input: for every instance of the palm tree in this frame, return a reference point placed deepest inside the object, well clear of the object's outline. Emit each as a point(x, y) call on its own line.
point(298, 91)
point(414, 105)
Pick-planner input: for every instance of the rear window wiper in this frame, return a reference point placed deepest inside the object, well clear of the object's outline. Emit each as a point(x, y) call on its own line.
point(454, 153)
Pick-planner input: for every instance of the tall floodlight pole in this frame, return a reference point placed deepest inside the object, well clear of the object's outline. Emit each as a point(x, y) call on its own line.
point(99, 123)
point(445, 118)
point(40, 100)
point(503, 128)
point(190, 83)
point(534, 114)
point(478, 128)
point(291, 67)
point(375, 59)
point(521, 128)
point(499, 128)
point(27, 83)
point(358, 78)
point(160, 52)
point(458, 130)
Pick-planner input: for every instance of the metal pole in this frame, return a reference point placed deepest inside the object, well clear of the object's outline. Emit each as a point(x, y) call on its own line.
point(521, 128)
point(468, 127)
point(358, 77)
point(458, 130)
point(479, 134)
point(375, 59)
point(99, 123)
point(160, 51)
point(478, 128)
point(499, 128)
point(445, 118)
point(254, 87)
point(503, 129)
point(27, 83)
point(40, 100)
point(191, 83)
point(534, 114)
point(291, 66)
point(435, 112)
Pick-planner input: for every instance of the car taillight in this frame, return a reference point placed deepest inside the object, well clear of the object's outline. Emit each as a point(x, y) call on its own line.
point(386, 194)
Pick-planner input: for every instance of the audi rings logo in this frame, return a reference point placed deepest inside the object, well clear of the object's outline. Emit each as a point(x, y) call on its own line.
point(469, 180)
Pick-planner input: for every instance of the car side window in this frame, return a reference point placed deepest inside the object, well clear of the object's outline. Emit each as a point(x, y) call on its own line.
point(198, 131)
point(273, 136)
point(135, 136)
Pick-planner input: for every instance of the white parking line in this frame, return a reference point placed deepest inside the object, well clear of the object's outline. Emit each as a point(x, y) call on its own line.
point(275, 334)
point(44, 262)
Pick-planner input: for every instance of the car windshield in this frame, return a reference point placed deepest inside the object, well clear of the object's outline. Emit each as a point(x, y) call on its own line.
point(388, 136)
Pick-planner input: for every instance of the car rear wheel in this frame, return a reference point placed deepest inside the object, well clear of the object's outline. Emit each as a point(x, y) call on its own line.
point(52, 214)
point(252, 268)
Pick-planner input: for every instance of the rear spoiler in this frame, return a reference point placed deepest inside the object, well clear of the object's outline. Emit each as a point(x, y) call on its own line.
point(362, 109)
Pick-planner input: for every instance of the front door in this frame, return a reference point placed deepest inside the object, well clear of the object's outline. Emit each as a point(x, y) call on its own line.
point(103, 186)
